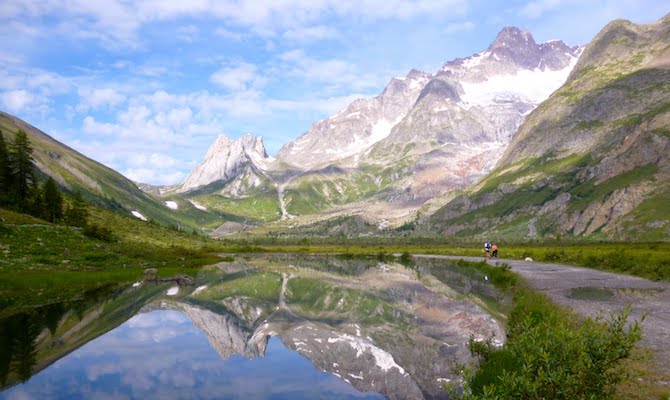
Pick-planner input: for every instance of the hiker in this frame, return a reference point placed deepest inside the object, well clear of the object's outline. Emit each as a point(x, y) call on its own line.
point(487, 249)
point(494, 250)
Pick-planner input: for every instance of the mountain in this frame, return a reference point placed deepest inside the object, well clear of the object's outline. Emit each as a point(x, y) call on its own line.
point(243, 159)
point(386, 157)
point(99, 184)
point(592, 160)
point(353, 130)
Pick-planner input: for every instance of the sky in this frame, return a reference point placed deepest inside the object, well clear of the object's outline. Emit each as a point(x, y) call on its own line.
point(146, 86)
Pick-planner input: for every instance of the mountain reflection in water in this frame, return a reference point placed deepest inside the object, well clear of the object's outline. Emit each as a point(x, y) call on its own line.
point(163, 355)
point(261, 328)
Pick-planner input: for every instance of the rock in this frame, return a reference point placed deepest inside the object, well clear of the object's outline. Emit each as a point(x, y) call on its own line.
point(528, 259)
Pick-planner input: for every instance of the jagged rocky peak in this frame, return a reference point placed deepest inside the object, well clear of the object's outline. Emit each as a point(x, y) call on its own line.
point(225, 158)
point(515, 48)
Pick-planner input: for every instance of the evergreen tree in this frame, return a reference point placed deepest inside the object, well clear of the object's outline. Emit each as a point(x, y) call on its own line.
point(5, 171)
point(22, 168)
point(52, 201)
point(76, 214)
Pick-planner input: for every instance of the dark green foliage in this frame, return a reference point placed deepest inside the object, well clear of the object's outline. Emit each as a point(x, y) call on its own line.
point(501, 277)
point(21, 154)
point(99, 232)
point(553, 354)
point(76, 213)
point(52, 201)
point(5, 170)
point(406, 258)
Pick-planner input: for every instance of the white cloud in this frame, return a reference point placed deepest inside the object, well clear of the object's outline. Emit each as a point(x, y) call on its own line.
point(99, 98)
point(334, 72)
point(115, 23)
point(17, 100)
point(154, 176)
point(228, 34)
point(239, 77)
point(465, 26)
point(188, 33)
point(93, 127)
point(537, 8)
point(310, 33)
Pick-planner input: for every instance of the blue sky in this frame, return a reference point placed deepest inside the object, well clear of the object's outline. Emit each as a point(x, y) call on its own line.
point(146, 86)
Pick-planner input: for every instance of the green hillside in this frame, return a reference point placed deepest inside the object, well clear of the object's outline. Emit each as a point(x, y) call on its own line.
point(99, 184)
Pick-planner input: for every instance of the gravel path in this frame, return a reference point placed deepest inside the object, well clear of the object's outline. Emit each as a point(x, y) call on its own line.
point(590, 292)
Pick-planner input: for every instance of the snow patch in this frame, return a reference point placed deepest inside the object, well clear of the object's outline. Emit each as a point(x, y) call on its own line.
point(173, 290)
point(383, 359)
point(199, 289)
point(533, 86)
point(172, 205)
point(419, 83)
point(198, 205)
point(137, 214)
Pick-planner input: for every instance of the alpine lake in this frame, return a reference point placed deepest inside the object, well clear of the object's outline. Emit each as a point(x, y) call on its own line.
point(270, 327)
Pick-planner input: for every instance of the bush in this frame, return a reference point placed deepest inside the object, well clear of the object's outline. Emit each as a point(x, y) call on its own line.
point(406, 258)
point(552, 354)
point(99, 232)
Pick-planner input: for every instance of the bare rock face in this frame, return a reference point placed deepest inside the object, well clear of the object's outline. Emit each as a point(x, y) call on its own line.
point(224, 333)
point(225, 160)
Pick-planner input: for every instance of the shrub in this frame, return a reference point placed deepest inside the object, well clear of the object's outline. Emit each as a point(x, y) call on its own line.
point(553, 355)
point(406, 258)
point(99, 232)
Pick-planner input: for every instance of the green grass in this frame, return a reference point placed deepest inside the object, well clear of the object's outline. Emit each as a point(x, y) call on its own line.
point(262, 206)
point(588, 192)
point(264, 286)
point(648, 260)
point(318, 299)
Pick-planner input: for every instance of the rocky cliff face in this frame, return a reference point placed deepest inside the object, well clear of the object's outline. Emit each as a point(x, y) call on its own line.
point(593, 158)
point(226, 159)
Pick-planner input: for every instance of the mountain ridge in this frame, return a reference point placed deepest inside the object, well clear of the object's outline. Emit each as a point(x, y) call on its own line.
point(423, 136)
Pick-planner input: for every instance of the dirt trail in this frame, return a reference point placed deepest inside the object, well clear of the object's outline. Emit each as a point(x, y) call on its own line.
point(613, 292)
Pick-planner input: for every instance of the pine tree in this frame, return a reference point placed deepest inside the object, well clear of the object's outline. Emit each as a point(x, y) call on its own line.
point(76, 213)
point(52, 201)
point(5, 171)
point(21, 155)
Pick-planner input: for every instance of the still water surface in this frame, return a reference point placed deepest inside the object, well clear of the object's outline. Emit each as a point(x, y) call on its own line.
point(162, 354)
point(315, 328)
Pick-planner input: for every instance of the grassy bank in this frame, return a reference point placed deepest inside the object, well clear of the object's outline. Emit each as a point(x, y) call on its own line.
point(647, 260)
point(43, 263)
